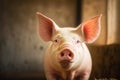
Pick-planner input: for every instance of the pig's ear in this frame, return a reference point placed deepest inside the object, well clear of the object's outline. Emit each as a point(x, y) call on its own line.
point(46, 27)
point(91, 29)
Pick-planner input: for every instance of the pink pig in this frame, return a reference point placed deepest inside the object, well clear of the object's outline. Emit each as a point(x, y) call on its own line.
point(67, 57)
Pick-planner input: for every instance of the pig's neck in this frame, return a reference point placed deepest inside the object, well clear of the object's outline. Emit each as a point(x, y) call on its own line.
point(68, 75)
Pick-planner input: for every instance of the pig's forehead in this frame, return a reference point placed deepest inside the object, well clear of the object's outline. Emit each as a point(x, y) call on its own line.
point(66, 32)
point(67, 28)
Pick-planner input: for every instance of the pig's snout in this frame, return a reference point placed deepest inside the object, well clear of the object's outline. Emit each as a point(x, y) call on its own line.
point(66, 58)
point(66, 55)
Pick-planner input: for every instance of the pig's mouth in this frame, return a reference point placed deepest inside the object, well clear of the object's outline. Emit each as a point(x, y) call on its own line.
point(65, 63)
point(65, 57)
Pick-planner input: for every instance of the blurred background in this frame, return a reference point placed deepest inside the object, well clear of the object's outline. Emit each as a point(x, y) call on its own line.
point(22, 50)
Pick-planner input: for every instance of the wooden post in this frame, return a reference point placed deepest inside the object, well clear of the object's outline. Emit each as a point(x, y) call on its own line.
point(111, 21)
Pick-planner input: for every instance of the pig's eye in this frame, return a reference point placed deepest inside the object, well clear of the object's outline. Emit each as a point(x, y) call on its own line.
point(78, 41)
point(55, 40)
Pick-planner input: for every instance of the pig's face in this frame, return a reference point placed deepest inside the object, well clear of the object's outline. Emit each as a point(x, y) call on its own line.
point(67, 47)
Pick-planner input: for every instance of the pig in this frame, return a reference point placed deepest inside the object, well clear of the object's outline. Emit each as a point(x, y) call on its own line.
point(67, 57)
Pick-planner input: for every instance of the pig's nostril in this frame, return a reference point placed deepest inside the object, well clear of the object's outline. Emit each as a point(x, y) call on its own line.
point(70, 55)
point(62, 54)
point(66, 53)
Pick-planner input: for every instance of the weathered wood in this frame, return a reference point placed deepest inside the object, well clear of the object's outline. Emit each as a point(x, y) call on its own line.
point(106, 61)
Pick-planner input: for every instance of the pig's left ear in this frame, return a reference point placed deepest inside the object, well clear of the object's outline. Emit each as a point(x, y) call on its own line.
point(46, 27)
point(91, 29)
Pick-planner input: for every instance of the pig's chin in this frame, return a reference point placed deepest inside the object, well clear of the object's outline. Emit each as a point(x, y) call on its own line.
point(65, 64)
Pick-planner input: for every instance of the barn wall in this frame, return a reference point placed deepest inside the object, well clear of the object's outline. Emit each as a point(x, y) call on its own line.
point(105, 58)
point(21, 49)
point(91, 8)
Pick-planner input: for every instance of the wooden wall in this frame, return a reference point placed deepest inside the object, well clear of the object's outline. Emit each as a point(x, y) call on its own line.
point(106, 61)
point(21, 49)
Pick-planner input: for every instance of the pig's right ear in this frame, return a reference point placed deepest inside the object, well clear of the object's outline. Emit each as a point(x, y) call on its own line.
point(90, 29)
point(46, 27)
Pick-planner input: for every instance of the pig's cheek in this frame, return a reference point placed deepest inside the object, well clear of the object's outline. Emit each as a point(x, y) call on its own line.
point(53, 55)
point(54, 58)
point(79, 53)
point(54, 50)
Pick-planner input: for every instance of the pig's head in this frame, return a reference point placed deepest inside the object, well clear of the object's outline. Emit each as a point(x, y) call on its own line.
point(67, 47)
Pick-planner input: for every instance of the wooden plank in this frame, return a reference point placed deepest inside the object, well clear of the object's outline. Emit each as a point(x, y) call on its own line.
point(16, 75)
point(111, 22)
